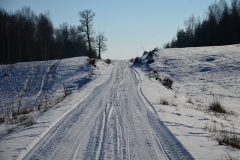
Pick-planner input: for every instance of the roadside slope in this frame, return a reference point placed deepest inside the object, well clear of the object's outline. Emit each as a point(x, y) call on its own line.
point(201, 76)
point(44, 81)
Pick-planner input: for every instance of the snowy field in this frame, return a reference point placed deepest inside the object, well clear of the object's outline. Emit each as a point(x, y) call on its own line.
point(121, 122)
point(28, 83)
point(201, 75)
point(40, 85)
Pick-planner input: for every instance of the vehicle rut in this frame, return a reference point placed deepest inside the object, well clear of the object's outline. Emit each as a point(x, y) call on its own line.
point(111, 123)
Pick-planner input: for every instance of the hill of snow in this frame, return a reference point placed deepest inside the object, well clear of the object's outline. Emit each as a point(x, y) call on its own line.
point(39, 87)
point(30, 82)
point(201, 76)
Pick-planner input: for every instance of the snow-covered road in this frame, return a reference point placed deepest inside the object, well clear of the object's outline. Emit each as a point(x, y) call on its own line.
point(113, 122)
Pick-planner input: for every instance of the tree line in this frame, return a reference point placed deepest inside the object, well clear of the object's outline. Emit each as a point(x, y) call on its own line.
point(25, 36)
point(220, 27)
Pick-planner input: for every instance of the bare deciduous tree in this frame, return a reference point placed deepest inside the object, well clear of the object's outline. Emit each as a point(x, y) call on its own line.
point(190, 25)
point(100, 43)
point(25, 36)
point(87, 27)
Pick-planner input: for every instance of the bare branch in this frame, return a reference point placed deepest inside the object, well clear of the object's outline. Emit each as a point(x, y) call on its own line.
point(86, 20)
point(100, 43)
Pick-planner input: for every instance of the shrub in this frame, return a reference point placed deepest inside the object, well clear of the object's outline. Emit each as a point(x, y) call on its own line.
point(155, 71)
point(167, 82)
point(26, 111)
point(108, 61)
point(164, 102)
point(21, 112)
point(150, 75)
point(154, 74)
point(174, 104)
point(92, 62)
point(67, 91)
point(2, 119)
point(145, 52)
point(156, 49)
point(190, 100)
point(150, 55)
point(14, 116)
point(137, 60)
point(150, 61)
point(231, 139)
point(217, 107)
point(18, 116)
point(27, 121)
point(158, 78)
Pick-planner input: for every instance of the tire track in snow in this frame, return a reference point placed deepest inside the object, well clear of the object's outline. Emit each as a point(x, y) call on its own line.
point(32, 146)
point(166, 140)
point(28, 80)
point(46, 75)
point(26, 86)
point(111, 123)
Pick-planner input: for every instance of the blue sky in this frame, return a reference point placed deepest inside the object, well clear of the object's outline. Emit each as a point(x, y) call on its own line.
point(130, 26)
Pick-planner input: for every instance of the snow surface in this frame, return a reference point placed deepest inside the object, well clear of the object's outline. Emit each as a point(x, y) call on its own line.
point(112, 109)
point(111, 123)
point(74, 72)
point(201, 74)
point(31, 81)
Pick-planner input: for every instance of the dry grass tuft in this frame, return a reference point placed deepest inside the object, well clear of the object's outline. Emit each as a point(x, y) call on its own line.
point(168, 82)
point(223, 136)
point(217, 107)
point(27, 120)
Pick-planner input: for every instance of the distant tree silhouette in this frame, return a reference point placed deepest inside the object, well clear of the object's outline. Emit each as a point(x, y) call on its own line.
point(70, 41)
point(25, 36)
point(220, 27)
point(45, 35)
